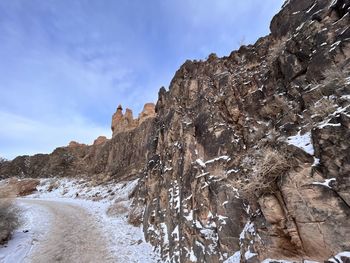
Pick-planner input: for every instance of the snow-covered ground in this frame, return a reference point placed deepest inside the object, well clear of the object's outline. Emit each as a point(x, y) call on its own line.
point(126, 241)
point(23, 240)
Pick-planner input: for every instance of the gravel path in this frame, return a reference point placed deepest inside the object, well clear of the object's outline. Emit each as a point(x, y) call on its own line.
point(72, 235)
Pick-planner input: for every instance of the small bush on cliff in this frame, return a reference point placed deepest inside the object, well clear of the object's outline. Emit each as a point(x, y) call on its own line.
point(275, 107)
point(135, 215)
point(334, 81)
point(262, 177)
point(323, 107)
point(334, 78)
point(9, 218)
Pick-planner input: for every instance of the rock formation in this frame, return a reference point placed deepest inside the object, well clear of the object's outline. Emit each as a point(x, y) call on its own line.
point(100, 140)
point(75, 144)
point(121, 122)
point(122, 156)
point(124, 122)
point(147, 112)
point(245, 155)
point(204, 194)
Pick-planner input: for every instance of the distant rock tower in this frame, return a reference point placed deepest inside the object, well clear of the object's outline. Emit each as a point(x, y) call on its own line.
point(123, 122)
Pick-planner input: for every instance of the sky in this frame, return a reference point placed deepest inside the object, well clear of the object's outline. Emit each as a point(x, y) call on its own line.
point(65, 65)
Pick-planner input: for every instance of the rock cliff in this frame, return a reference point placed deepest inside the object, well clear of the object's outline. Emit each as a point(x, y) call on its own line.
point(252, 153)
point(122, 156)
point(245, 156)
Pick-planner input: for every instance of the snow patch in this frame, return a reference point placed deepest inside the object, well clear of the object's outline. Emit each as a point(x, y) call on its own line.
point(325, 183)
point(249, 255)
point(302, 141)
point(338, 257)
point(235, 258)
point(223, 157)
point(201, 163)
point(312, 7)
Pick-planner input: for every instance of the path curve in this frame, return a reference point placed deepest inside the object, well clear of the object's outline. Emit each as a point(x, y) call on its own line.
point(73, 235)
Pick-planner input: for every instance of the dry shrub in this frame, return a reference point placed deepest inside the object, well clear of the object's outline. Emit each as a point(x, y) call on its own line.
point(135, 215)
point(334, 78)
point(323, 107)
point(9, 218)
point(276, 48)
point(53, 185)
point(118, 208)
point(277, 106)
point(262, 178)
point(335, 75)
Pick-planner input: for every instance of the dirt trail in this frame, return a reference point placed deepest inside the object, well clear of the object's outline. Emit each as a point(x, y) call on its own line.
point(73, 236)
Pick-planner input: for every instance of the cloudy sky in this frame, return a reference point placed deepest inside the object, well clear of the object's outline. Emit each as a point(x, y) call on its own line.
point(65, 65)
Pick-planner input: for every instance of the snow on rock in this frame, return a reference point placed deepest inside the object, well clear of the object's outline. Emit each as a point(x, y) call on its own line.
point(224, 157)
point(201, 163)
point(249, 255)
point(316, 161)
point(347, 81)
point(248, 228)
point(337, 258)
point(325, 183)
point(204, 164)
point(334, 46)
point(302, 141)
point(235, 258)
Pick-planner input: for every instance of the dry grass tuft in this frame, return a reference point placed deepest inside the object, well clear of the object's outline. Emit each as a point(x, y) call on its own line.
point(9, 217)
point(275, 107)
point(323, 107)
point(118, 208)
point(135, 215)
point(336, 76)
point(262, 178)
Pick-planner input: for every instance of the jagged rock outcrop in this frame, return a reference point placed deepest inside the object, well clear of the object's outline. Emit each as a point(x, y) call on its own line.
point(147, 112)
point(204, 194)
point(124, 122)
point(75, 144)
point(245, 155)
point(100, 140)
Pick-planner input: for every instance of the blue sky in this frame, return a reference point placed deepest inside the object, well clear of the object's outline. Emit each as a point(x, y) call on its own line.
point(65, 65)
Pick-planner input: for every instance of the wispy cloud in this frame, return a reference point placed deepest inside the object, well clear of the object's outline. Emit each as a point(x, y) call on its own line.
point(22, 136)
point(65, 65)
